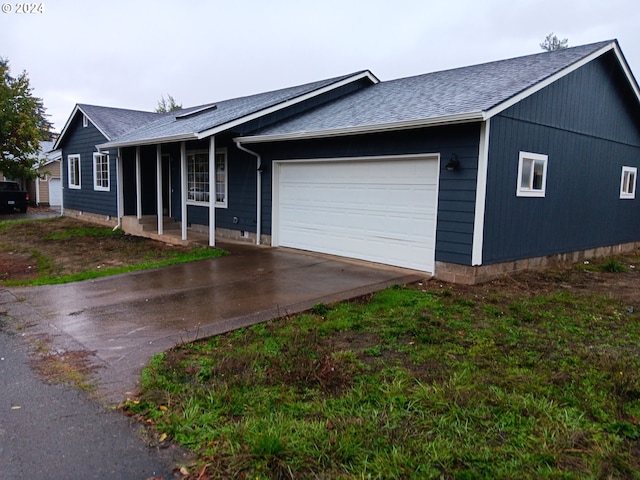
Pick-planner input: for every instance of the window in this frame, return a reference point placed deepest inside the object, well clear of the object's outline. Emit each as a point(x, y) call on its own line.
point(532, 175)
point(628, 182)
point(221, 178)
point(198, 177)
point(85, 121)
point(74, 171)
point(100, 171)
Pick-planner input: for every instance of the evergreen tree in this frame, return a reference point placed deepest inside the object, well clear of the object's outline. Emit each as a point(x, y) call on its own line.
point(552, 42)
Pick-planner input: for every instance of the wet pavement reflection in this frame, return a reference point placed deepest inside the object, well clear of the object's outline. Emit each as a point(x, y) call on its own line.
point(125, 319)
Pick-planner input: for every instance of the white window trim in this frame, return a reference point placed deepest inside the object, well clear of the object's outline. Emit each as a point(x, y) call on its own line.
point(628, 191)
point(85, 121)
point(222, 204)
point(530, 191)
point(71, 158)
point(96, 156)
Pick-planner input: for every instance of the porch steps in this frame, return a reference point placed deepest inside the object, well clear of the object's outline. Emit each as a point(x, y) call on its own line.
point(149, 223)
point(147, 227)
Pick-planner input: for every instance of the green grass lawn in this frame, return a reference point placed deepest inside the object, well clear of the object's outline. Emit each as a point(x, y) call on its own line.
point(415, 382)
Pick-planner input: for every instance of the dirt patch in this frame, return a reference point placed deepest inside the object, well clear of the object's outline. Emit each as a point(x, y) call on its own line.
point(17, 266)
point(50, 247)
point(74, 367)
point(586, 279)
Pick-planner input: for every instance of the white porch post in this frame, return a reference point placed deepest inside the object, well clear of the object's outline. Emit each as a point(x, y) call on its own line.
point(159, 186)
point(183, 189)
point(138, 185)
point(212, 191)
point(119, 177)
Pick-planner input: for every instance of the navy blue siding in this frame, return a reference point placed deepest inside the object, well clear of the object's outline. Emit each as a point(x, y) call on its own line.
point(83, 140)
point(588, 123)
point(240, 213)
point(456, 205)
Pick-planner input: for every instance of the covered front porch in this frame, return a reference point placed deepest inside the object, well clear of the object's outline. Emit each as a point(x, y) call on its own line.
point(178, 192)
point(147, 227)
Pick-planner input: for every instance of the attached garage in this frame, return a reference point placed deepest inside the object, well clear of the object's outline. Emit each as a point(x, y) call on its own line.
point(379, 209)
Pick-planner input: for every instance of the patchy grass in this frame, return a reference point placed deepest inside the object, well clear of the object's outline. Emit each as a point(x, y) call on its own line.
point(530, 377)
point(62, 250)
point(73, 367)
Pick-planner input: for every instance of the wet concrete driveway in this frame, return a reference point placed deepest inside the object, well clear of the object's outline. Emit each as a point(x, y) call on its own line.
point(125, 319)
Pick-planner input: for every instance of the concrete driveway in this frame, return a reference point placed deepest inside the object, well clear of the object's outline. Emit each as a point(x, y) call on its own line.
point(126, 319)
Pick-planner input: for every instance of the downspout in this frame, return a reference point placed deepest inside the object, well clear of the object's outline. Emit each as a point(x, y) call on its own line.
point(258, 190)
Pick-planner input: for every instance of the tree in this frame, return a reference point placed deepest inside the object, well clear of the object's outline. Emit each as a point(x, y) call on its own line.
point(23, 124)
point(551, 43)
point(167, 105)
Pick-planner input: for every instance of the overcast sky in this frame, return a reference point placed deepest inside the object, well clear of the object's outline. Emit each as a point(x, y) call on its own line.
point(129, 53)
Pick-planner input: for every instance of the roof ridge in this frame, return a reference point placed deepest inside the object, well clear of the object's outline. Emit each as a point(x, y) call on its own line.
point(591, 47)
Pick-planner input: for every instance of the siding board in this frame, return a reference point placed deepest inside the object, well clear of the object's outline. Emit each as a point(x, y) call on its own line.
point(587, 127)
point(83, 140)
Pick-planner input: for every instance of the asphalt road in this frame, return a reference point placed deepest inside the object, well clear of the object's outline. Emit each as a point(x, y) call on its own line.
point(56, 432)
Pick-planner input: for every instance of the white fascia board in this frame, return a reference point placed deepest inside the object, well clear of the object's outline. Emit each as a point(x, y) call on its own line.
point(548, 81)
point(481, 194)
point(53, 156)
point(65, 128)
point(225, 126)
point(386, 127)
point(627, 70)
point(151, 141)
point(77, 109)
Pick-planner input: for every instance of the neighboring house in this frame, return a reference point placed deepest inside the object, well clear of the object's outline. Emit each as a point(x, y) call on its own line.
point(46, 189)
point(465, 174)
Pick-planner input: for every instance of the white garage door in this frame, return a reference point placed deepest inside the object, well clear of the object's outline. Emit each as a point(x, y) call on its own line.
point(55, 192)
point(381, 210)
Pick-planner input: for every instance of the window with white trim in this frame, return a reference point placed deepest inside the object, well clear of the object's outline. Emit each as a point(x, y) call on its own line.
point(101, 171)
point(532, 175)
point(85, 121)
point(221, 178)
point(198, 177)
point(628, 182)
point(73, 171)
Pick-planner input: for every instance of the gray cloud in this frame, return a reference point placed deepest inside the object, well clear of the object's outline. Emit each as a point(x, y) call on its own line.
point(128, 53)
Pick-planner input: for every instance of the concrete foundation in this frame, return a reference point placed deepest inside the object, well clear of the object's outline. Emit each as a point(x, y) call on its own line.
point(105, 220)
point(471, 275)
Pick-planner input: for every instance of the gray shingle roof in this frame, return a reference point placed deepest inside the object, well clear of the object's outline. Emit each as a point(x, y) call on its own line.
point(169, 126)
point(115, 122)
point(467, 90)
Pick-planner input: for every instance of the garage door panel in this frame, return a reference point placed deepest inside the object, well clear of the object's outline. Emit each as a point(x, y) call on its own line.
point(381, 211)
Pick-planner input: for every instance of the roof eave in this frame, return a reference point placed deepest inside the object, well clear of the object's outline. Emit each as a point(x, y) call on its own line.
point(148, 141)
point(260, 113)
point(380, 128)
point(627, 70)
point(68, 124)
point(564, 72)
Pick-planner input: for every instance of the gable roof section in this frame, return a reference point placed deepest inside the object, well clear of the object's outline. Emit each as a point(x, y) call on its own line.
point(467, 94)
point(206, 120)
point(110, 122)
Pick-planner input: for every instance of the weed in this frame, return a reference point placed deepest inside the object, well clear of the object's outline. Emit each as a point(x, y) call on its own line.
point(319, 309)
point(613, 266)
